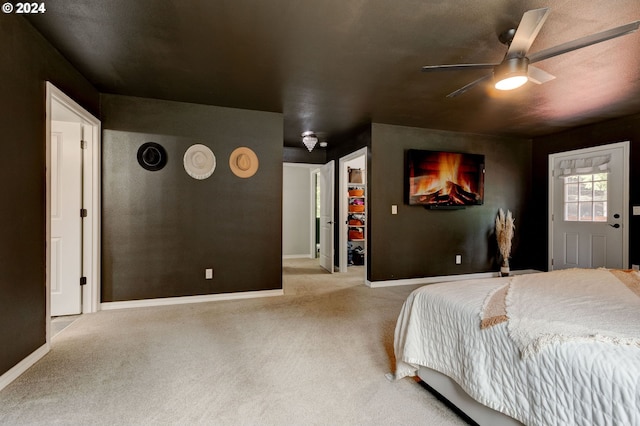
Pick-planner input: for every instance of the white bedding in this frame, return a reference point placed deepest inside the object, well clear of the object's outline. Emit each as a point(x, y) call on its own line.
point(572, 305)
point(568, 383)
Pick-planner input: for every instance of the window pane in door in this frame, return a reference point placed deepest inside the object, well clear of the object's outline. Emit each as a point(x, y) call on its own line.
point(585, 212)
point(586, 191)
point(600, 176)
point(571, 192)
point(599, 212)
point(600, 191)
point(571, 212)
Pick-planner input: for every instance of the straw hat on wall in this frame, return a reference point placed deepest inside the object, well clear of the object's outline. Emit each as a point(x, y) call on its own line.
point(243, 162)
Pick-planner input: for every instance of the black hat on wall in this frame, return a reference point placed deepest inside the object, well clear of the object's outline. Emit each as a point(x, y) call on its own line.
point(152, 156)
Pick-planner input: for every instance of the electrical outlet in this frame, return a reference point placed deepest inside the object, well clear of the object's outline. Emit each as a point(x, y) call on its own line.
point(394, 209)
point(208, 274)
point(458, 259)
point(635, 267)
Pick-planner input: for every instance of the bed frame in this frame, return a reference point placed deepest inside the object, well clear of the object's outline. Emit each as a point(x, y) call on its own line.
point(447, 388)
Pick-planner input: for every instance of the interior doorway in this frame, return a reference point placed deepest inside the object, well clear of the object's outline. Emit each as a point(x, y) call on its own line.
point(72, 207)
point(299, 236)
point(353, 210)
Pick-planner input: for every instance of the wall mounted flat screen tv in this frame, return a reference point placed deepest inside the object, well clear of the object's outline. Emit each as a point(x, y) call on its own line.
point(438, 179)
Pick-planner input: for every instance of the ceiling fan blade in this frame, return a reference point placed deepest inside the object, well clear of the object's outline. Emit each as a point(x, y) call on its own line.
point(538, 76)
point(527, 31)
point(456, 67)
point(584, 42)
point(462, 90)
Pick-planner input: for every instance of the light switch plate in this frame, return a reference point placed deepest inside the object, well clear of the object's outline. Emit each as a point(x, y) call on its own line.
point(394, 209)
point(636, 210)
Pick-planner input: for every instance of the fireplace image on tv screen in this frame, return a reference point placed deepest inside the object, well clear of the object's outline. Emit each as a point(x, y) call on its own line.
point(444, 179)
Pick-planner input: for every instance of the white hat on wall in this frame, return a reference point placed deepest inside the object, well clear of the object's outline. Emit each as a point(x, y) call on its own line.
point(199, 161)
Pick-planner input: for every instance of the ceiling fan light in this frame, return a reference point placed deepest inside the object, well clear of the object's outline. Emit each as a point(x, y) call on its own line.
point(309, 139)
point(510, 83)
point(511, 73)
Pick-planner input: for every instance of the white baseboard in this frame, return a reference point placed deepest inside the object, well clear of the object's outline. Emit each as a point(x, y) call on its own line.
point(189, 299)
point(443, 278)
point(23, 366)
point(297, 256)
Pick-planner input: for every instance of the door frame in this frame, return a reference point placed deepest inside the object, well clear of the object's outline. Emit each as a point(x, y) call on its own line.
point(312, 170)
point(625, 195)
point(343, 185)
point(314, 176)
point(91, 195)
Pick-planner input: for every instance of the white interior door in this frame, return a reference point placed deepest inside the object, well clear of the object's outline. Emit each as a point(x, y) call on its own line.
point(589, 202)
point(66, 223)
point(326, 178)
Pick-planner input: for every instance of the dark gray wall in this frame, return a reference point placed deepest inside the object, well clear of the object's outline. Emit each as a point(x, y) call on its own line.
point(161, 229)
point(618, 130)
point(27, 62)
point(420, 243)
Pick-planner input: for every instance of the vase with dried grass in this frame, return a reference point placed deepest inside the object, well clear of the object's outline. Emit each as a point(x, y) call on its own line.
point(505, 228)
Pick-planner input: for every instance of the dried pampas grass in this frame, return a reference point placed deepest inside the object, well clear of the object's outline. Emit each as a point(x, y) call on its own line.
point(504, 233)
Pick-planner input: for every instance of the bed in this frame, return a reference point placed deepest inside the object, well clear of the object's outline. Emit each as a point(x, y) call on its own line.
point(551, 348)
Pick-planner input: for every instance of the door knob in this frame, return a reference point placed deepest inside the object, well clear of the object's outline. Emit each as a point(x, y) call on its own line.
point(615, 225)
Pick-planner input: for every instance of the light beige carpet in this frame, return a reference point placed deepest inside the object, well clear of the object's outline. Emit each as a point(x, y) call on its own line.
point(315, 356)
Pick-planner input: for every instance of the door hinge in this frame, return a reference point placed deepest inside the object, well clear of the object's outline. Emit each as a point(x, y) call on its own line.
point(83, 213)
point(83, 280)
point(83, 144)
point(551, 262)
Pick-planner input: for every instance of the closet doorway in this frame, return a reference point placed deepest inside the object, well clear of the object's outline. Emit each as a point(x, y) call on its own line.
point(352, 219)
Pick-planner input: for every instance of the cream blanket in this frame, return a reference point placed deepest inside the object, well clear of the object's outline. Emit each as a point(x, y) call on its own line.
point(573, 305)
point(579, 382)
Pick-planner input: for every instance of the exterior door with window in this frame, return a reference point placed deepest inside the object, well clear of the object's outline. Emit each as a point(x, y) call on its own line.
point(588, 202)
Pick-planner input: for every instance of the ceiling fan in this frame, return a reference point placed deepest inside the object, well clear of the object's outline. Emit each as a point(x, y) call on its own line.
point(515, 69)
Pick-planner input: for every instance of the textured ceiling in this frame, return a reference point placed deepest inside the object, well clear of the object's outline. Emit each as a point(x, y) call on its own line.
point(332, 65)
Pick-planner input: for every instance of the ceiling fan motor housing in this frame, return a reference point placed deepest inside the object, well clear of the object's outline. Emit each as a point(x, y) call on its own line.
point(511, 67)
